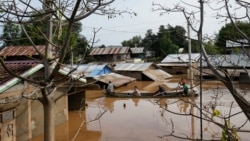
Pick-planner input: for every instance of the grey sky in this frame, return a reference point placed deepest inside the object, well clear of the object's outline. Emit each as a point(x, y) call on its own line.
point(121, 28)
point(124, 27)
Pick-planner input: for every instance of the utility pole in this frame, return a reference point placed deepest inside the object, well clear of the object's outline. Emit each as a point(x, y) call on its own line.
point(190, 61)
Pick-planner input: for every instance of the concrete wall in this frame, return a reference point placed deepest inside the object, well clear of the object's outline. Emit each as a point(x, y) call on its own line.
point(8, 125)
point(29, 120)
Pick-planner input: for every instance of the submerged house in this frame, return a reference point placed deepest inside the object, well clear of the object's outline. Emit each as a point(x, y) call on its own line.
point(110, 55)
point(137, 52)
point(239, 46)
point(237, 66)
point(142, 71)
point(98, 76)
point(20, 115)
point(179, 63)
point(116, 79)
point(89, 71)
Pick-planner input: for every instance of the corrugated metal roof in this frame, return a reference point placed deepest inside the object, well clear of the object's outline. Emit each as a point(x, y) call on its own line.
point(109, 50)
point(157, 74)
point(132, 66)
point(88, 70)
point(116, 79)
point(137, 50)
point(232, 60)
point(17, 67)
point(173, 65)
point(21, 50)
point(239, 43)
point(24, 70)
point(180, 58)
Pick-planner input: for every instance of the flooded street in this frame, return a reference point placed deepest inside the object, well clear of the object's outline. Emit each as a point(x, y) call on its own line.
point(138, 119)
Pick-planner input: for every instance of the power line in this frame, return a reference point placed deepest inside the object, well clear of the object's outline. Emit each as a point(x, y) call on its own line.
point(112, 30)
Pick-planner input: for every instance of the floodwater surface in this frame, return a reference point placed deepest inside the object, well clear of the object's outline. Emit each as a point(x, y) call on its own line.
point(138, 119)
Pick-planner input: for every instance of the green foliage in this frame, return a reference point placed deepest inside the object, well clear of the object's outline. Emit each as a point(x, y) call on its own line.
point(211, 49)
point(135, 41)
point(102, 46)
point(166, 46)
point(14, 35)
point(229, 134)
point(228, 32)
point(177, 36)
point(34, 31)
point(216, 113)
point(166, 41)
point(78, 44)
point(11, 34)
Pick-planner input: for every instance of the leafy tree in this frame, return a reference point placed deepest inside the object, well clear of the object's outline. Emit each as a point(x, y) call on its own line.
point(164, 44)
point(11, 34)
point(148, 40)
point(211, 49)
point(177, 36)
point(134, 42)
point(166, 47)
point(229, 32)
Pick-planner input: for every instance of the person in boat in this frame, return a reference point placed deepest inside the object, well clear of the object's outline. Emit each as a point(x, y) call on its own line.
point(182, 81)
point(185, 88)
point(160, 91)
point(136, 91)
point(110, 88)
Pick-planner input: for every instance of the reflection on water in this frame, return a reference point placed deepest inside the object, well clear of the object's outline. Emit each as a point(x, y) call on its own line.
point(117, 119)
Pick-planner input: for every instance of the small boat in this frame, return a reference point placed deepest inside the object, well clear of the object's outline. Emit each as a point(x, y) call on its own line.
point(166, 94)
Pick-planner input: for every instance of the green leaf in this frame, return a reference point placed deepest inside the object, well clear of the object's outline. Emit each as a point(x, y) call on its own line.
point(216, 113)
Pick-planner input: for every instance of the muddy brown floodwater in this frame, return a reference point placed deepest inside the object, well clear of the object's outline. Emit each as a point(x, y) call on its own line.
point(116, 119)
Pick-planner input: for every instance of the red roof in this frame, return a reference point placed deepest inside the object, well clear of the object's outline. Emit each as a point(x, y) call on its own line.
point(21, 50)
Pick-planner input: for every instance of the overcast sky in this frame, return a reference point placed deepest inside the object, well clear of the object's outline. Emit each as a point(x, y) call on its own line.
point(114, 31)
point(121, 28)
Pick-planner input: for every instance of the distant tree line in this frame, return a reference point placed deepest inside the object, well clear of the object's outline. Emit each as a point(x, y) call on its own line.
point(168, 40)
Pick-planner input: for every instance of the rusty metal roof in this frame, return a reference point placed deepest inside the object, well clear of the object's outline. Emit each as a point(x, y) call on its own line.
point(17, 67)
point(109, 50)
point(137, 50)
point(132, 66)
point(21, 50)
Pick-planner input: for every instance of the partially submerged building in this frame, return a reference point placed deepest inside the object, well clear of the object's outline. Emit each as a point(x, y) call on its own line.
point(237, 66)
point(236, 47)
point(179, 63)
point(116, 79)
point(137, 52)
point(142, 71)
point(98, 76)
point(22, 115)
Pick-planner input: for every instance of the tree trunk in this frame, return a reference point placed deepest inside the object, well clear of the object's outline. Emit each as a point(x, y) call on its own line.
point(49, 122)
